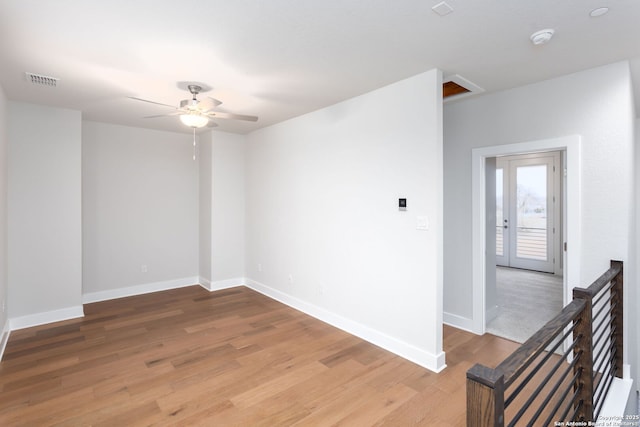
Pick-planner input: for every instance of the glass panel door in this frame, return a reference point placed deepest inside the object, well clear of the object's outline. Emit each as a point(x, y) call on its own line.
point(525, 212)
point(532, 212)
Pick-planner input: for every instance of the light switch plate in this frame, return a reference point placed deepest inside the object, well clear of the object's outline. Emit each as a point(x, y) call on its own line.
point(422, 223)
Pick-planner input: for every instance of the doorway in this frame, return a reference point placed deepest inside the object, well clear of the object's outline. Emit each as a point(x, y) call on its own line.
point(528, 203)
point(527, 236)
point(483, 220)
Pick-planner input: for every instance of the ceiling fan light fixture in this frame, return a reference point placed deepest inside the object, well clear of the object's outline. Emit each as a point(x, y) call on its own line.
point(194, 120)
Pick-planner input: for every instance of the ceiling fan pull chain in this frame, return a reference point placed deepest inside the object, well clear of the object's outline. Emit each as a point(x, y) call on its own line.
point(194, 143)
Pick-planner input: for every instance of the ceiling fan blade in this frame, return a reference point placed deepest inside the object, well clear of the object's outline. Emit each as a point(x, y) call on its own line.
point(151, 102)
point(212, 124)
point(177, 113)
point(220, 115)
point(213, 101)
point(208, 104)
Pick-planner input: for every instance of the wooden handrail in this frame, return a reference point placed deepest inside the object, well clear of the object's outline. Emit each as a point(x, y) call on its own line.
point(486, 387)
point(518, 361)
point(602, 281)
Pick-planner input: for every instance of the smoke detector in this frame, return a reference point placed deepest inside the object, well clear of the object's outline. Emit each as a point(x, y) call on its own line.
point(542, 36)
point(599, 12)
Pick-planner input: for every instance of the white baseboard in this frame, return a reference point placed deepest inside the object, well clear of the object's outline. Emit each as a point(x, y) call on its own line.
point(222, 284)
point(205, 283)
point(459, 322)
point(6, 331)
point(145, 288)
point(433, 362)
point(46, 317)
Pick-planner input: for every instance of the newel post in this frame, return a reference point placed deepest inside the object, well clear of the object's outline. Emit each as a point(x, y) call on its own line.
point(485, 397)
point(583, 350)
point(617, 301)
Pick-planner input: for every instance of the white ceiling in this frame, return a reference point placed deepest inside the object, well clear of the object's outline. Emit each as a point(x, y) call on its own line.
point(278, 59)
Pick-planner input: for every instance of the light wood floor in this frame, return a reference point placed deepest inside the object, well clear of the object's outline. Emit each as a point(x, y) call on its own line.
point(228, 358)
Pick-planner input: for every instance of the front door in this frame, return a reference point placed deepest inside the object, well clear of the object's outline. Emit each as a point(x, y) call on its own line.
point(527, 211)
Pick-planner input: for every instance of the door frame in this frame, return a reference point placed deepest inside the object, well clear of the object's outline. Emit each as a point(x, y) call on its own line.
point(504, 258)
point(571, 229)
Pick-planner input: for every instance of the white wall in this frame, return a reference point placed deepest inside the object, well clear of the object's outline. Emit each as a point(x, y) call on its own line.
point(140, 208)
point(205, 195)
point(634, 298)
point(44, 197)
point(4, 142)
point(596, 104)
point(323, 226)
point(222, 206)
point(228, 209)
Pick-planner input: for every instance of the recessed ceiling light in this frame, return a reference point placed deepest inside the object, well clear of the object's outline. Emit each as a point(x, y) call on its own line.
point(599, 12)
point(542, 36)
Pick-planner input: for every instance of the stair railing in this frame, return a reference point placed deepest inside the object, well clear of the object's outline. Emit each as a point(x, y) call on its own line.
point(543, 384)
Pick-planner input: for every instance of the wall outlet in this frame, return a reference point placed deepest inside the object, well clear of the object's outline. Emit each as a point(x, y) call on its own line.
point(259, 268)
point(290, 279)
point(143, 268)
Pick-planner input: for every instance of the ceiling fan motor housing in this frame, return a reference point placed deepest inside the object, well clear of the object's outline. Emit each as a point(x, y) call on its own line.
point(194, 89)
point(190, 104)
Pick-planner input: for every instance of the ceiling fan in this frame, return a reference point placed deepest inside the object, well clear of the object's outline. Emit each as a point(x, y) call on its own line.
point(197, 113)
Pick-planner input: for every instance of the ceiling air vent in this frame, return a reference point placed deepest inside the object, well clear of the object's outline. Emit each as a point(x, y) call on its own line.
point(38, 79)
point(456, 86)
point(452, 88)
